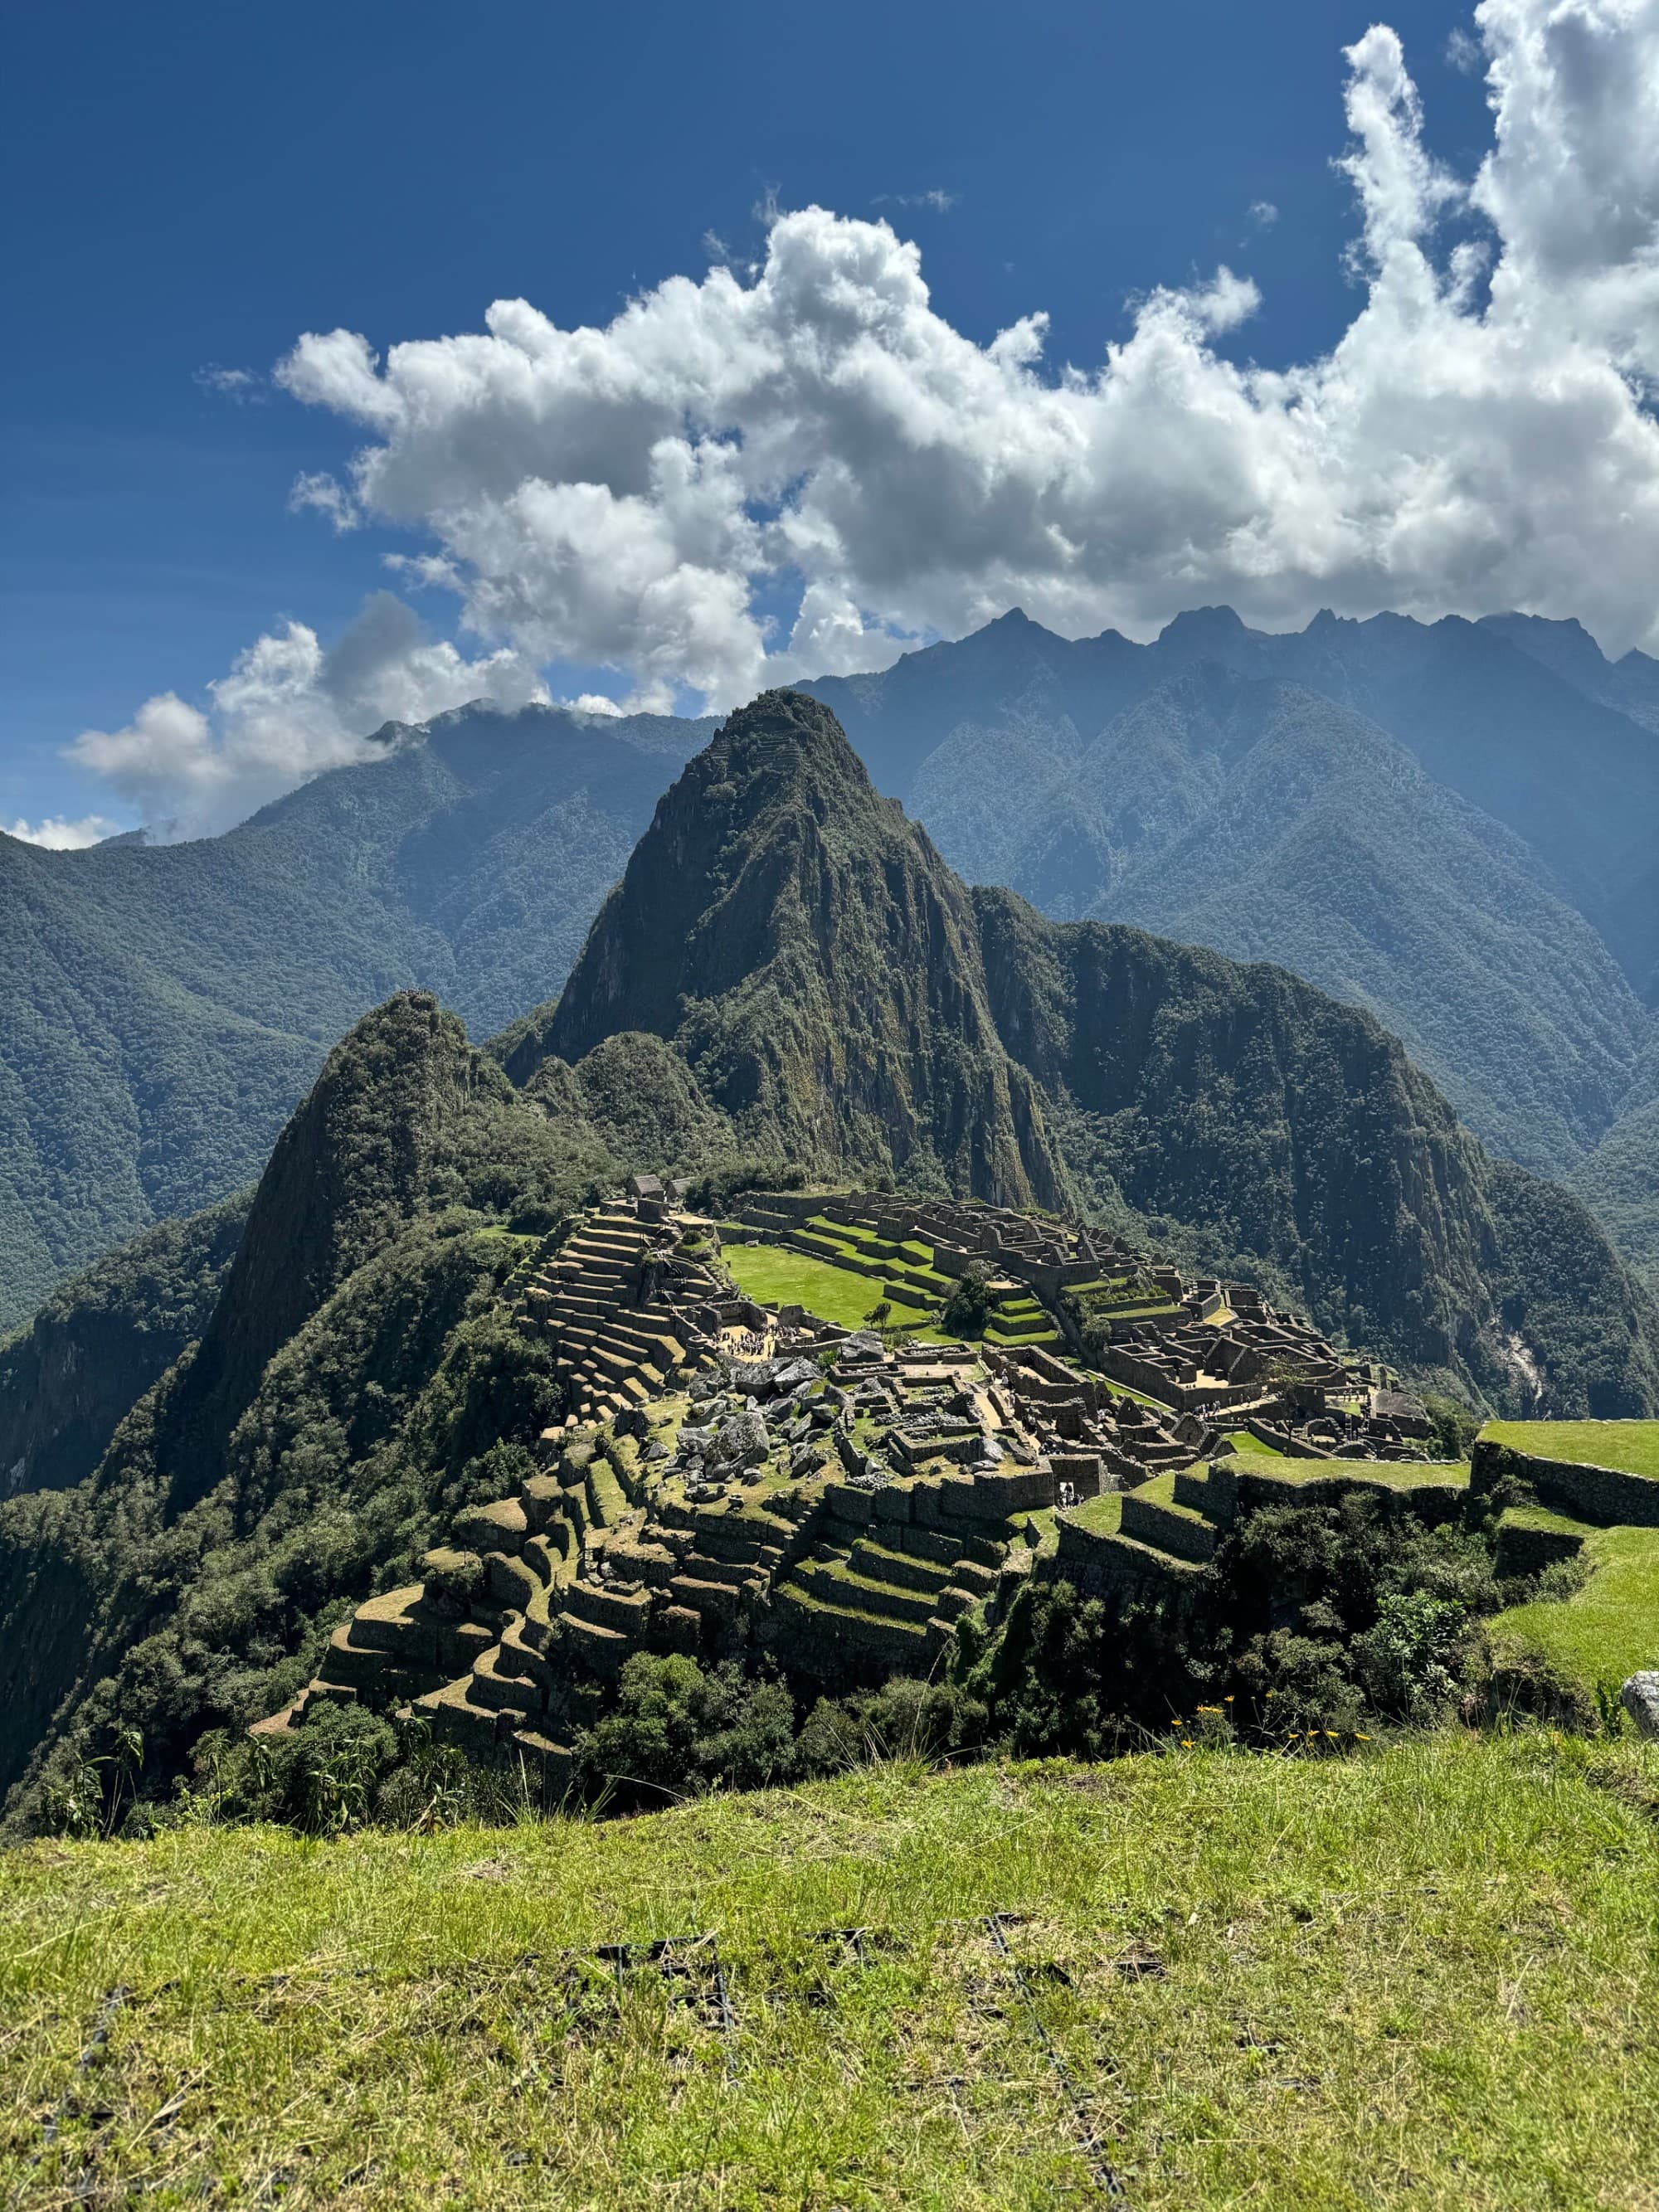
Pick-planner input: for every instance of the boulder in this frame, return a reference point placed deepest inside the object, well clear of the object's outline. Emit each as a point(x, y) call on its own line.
point(745, 1440)
point(755, 1378)
point(1640, 1699)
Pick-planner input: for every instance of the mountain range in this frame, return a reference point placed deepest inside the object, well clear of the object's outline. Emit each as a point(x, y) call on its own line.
point(787, 970)
point(1456, 826)
point(164, 1007)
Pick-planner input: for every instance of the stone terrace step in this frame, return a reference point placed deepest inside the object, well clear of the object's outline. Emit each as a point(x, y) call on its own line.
point(874, 1561)
point(500, 1691)
point(589, 1646)
point(858, 1594)
point(456, 1717)
point(711, 1601)
point(892, 1643)
point(736, 1574)
point(1168, 1527)
point(622, 1610)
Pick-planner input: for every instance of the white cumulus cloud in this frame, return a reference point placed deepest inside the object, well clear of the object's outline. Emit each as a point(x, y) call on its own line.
point(800, 466)
point(58, 835)
point(817, 435)
point(287, 710)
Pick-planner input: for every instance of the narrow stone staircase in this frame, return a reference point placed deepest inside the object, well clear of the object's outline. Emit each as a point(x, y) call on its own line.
point(616, 1342)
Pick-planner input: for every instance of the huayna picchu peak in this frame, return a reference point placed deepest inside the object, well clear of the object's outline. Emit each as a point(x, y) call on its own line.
point(844, 1001)
point(815, 964)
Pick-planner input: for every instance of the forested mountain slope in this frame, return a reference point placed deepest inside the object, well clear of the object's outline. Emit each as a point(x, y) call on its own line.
point(787, 969)
point(99, 1341)
point(1258, 817)
point(355, 1364)
point(1429, 820)
point(163, 1008)
point(838, 993)
point(815, 964)
point(1456, 825)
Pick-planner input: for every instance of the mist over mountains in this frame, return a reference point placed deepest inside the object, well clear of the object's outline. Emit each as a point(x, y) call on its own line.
point(1454, 825)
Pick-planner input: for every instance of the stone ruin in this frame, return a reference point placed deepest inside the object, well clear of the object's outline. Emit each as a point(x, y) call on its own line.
point(729, 1478)
point(1203, 1347)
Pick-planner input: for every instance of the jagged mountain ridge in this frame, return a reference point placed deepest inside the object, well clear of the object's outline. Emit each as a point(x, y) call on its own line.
point(1496, 811)
point(163, 1010)
point(838, 993)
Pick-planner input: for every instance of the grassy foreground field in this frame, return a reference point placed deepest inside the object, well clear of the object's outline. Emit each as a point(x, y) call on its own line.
point(1428, 1976)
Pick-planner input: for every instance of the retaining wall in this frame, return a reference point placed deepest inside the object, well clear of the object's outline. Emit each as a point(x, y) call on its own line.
point(1605, 1495)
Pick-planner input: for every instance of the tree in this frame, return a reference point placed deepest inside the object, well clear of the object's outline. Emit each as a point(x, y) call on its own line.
point(968, 1306)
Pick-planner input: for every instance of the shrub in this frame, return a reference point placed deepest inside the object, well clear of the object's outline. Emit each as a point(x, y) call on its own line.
point(676, 1729)
point(968, 1307)
point(453, 1579)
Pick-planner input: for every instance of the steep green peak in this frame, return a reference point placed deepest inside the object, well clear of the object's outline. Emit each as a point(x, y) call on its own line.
point(780, 743)
point(774, 837)
point(813, 960)
point(372, 1145)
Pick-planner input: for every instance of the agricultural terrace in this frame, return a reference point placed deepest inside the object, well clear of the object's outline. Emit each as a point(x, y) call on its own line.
point(1609, 1629)
point(1631, 1447)
point(838, 1271)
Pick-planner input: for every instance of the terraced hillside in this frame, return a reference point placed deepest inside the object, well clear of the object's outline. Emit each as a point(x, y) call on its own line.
point(857, 1239)
point(1586, 1491)
point(738, 1480)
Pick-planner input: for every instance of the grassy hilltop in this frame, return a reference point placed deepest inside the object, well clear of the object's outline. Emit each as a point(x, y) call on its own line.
point(1421, 1974)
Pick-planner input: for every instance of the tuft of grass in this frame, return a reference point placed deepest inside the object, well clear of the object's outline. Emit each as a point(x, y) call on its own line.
point(1608, 1629)
point(1631, 1447)
point(1426, 1974)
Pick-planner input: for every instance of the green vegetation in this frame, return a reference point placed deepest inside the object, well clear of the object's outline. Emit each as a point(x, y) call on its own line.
point(1632, 1446)
point(1405, 1474)
point(1323, 809)
point(777, 1276)
point(163, 1008)
point(786, 1005)
point(1607, 1630)
point(1427, 1971)
point(350, 1391)
point(1619, 1180)
point(99, 1342)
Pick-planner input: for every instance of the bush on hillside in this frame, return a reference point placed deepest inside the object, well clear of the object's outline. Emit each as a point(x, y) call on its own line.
point(968, 1307)
point(676, 1729)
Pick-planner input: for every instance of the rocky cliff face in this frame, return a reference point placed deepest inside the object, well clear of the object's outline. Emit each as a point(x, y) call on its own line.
point(98, 1343)
point(816, 962)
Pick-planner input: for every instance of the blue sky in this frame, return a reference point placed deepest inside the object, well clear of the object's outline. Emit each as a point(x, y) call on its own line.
point(197, 185)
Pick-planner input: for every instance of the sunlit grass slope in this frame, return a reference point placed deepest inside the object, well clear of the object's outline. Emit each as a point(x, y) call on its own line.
point(775, 1276)
point(1608, 1629)
point(1426, 1977)
point(1632, 1446)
